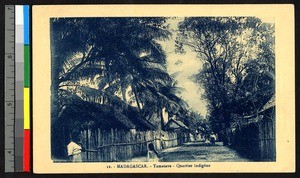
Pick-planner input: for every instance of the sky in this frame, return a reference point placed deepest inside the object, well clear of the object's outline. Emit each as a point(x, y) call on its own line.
point(188, 66)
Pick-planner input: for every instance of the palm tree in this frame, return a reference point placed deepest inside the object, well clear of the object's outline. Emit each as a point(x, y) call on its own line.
point(95, 58)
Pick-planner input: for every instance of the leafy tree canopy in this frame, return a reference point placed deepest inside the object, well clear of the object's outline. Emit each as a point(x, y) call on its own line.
point(238, 55)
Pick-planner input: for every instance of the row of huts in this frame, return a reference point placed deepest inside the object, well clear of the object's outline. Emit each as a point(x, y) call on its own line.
point(120, 131)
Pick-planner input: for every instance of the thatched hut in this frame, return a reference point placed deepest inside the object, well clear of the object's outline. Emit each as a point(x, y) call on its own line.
point(183, 132)
point(254, 136)
point(78, 117)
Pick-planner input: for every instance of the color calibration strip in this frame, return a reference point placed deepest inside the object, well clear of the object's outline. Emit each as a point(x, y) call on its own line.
point(17, 89)
point(22, 52)
point(26, 147)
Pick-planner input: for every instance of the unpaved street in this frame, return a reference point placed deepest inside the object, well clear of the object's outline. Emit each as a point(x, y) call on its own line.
point(197, 152)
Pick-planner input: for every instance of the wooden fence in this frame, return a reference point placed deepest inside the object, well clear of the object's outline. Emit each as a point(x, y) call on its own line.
point(120, 145)
point(267, 146)
point(257, 140)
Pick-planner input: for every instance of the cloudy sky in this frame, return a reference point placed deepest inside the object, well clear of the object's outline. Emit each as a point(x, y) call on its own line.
point(186, 65)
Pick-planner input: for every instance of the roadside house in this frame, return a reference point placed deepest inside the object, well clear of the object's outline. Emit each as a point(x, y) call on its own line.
point(254, 136)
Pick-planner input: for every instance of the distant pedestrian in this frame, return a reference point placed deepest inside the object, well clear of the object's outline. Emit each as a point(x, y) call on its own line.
point(163, 142)
point(206, 142)
point(206, 139)
point(152, 155)
point(212, 138)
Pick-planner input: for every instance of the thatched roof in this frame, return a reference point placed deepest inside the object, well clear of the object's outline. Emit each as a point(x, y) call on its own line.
point(103, 116)
point(175, 124)
point(255, 118)
point(269, 104)
point(138, 120)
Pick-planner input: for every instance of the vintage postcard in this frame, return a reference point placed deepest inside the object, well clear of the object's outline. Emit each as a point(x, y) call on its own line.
point(163, 88)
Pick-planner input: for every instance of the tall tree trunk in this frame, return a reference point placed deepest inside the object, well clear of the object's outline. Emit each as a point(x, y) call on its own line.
point(160, 115)
point(136, 98)
point(123, 90)
point(227, 118)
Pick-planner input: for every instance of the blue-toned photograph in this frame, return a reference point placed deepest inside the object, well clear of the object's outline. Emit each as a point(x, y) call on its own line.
point(163, 89)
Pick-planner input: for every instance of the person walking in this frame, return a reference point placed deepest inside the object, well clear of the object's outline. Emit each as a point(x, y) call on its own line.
point(212, 138)
point(163, 142)
point(152, 154)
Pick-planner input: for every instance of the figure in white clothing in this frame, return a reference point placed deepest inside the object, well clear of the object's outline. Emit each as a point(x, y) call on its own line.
point(74, 151)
